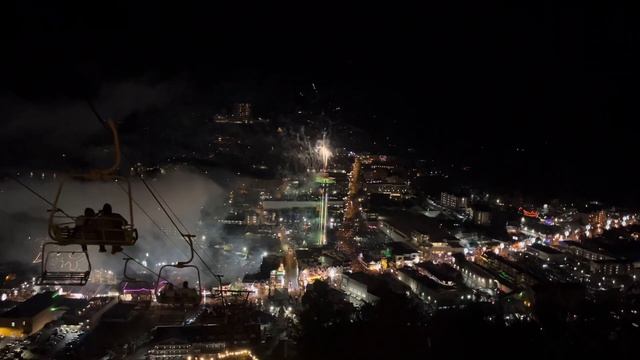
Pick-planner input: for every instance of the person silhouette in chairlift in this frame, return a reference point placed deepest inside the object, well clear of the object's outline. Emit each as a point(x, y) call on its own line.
point(84, 226)
point(111, 221)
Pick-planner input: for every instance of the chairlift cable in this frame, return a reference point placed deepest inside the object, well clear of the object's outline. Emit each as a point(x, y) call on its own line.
point(95, 112)
point(144, 266)
point(186, 238)
point(101, 120)
point(40, 196)
point(145, 212)
point(186, 229)
point(153, 221)
point(170, 209)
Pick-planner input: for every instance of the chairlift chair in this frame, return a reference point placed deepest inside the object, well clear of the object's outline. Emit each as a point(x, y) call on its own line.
point(101, 232)
point(60, 277)
point(179, 296)
point(97, 230)
point(143, 294)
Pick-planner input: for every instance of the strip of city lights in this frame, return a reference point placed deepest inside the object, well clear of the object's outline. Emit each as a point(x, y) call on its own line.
point(227, 354)
point(237, 353)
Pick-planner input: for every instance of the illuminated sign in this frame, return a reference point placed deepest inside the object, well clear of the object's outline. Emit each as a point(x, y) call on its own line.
point(529, 213)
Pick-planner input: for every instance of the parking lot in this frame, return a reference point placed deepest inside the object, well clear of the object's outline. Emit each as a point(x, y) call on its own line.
point(51, 341)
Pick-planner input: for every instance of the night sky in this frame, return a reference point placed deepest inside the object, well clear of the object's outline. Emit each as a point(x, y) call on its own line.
point(465, 83)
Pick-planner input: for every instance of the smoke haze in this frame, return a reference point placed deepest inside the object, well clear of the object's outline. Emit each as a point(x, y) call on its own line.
point(24, 219)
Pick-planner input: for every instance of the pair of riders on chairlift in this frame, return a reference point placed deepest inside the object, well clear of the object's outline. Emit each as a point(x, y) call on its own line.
point(105, 225)
point(186, 292)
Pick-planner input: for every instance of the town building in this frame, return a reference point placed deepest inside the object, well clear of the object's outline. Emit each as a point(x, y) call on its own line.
point(511, 273)
point(474, 276)
point(30, 316)
point(545, 253)
point(582, 251)
point(481, 215)
point(360, 287)
point(454, 201)
point(611, 267)
point(441, 272)
point(432, 291)
point(403, 254)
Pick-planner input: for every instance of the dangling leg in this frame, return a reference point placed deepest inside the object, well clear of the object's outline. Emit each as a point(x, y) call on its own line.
point(102, 248)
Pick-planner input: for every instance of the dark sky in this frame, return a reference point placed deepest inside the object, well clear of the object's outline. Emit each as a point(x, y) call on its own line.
point(467, 82)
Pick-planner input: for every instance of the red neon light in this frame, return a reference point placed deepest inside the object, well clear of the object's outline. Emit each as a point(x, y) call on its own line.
point(529, 213)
